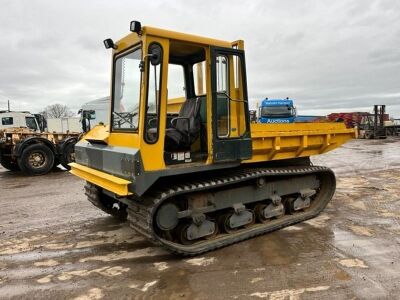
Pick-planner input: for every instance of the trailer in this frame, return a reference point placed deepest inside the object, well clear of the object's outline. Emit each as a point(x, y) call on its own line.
point(64, 124)
point(36, 153)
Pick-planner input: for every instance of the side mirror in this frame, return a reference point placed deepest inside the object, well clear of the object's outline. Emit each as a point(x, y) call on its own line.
point(155, 52)
point(155, 56)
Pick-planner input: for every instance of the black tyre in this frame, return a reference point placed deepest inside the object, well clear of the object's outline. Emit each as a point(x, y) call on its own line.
point(105, 203)
point(36, 159)
point(68, 155)
point(56, 163)
point(8, 164)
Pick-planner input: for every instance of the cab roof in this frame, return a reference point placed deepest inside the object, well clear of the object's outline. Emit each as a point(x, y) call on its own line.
point(134, 38)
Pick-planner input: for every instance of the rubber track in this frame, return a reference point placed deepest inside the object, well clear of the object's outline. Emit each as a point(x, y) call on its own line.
point(93, 195)
point(141, 214)
point(91, 191)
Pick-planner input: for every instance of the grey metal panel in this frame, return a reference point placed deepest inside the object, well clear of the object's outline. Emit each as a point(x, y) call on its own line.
point(126, 163)
point(119, 161)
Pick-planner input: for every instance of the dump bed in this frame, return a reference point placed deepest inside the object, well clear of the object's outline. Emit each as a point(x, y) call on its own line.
point(283, 141)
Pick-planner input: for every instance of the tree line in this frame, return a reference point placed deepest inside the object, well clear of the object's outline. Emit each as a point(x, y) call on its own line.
point(56, 111)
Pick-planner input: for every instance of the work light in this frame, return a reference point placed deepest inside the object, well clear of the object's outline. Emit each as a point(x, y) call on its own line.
point(136, 27)
point(108, 43)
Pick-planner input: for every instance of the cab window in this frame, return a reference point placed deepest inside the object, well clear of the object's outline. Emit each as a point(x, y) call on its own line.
point(199, 74)
point(31, 123)
point(222, 76)
point(176, 82)
point(7, 121)
point(126, 93)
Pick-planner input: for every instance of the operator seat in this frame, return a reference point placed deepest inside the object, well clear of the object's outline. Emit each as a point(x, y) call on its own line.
point(185, 128)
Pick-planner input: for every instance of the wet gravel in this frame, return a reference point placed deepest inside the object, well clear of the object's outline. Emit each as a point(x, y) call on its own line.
point(55, 245)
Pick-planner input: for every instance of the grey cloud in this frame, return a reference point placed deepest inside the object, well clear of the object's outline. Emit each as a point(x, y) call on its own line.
point(386, 56)
point(340, 55)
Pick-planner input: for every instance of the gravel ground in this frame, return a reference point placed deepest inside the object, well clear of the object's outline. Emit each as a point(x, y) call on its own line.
point(55, 245)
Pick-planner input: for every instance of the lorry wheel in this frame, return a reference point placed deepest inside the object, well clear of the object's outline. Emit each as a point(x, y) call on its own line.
point(56, 163)
point(68, 155)
point(36, 159)
point(9, 164)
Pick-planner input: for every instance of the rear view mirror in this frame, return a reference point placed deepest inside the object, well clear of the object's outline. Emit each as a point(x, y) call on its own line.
point(155, 52)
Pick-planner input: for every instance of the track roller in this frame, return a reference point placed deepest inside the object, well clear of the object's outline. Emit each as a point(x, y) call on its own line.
point(232, 221)
point(190, 232)
point(266, 212)
point(302, 202)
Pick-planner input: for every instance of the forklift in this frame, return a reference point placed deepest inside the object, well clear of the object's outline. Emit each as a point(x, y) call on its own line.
point(372, 126)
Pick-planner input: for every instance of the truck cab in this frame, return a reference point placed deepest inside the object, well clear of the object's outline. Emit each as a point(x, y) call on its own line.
point(277, 111)
point(94, 112)
point(16, 119)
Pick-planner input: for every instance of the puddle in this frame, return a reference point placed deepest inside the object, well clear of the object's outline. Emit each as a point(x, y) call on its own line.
point(353, 263)
point(201, 261)
point(288, 293)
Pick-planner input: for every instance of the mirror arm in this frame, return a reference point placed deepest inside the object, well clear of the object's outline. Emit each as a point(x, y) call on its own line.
point(230, 99)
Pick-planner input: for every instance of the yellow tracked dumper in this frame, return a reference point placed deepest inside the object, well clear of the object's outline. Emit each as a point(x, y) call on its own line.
point(180, 160)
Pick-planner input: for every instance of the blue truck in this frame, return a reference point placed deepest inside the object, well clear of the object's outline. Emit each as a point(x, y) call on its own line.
point(277, 111)
point(282, 111)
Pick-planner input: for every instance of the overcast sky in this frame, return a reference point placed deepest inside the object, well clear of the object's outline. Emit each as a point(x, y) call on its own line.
point(327, 55)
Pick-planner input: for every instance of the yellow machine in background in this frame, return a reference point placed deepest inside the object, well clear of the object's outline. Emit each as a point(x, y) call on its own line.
point(180, 159)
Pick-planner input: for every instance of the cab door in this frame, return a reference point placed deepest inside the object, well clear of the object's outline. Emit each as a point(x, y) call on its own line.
point(230, 111)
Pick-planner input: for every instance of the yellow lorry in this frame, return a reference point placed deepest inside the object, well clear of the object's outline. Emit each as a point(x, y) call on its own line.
point(195, 175)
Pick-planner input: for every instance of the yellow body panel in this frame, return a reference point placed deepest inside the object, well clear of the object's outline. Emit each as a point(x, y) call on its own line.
point(109, 182)
point(269, 141)
point(285, 141)
point(99, 133)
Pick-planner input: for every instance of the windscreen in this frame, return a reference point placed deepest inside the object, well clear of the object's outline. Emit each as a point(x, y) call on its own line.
point(126, 100)
point(31, 123)
point(277, 111)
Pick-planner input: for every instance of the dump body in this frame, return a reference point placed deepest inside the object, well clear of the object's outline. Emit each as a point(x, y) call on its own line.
point(288, 141)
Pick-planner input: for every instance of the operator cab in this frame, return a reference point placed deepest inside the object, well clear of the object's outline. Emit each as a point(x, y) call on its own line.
point(180, 95)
